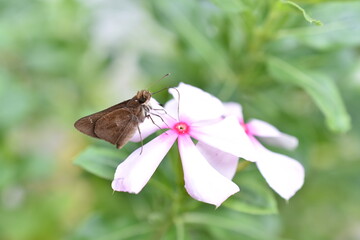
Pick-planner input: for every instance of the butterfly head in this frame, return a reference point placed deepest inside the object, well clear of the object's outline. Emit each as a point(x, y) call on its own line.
point(143, 96)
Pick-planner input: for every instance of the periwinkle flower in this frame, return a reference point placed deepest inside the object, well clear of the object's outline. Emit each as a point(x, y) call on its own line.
point(195, 114)
point(283, 174)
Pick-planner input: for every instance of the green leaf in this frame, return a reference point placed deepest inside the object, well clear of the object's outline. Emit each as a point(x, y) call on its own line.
point(341, 26)
point(100, 161)
point(255, 195)
point(194, 34)
point(15, 100)
point(306, 16)
point(100, 228)
point(230, 5)
point(243, 226)
point(322, 90)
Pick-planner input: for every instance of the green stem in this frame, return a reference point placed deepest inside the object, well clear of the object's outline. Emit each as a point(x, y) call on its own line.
point(180, 229)
point(179, 196)
point(172, 215)
point(267, 30)
point(260, 35)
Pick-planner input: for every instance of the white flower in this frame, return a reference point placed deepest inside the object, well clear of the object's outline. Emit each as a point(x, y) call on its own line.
point(196, 115)
point(283, 174)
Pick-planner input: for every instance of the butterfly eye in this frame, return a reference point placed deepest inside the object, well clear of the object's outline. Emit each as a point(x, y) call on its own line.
point(142, 100)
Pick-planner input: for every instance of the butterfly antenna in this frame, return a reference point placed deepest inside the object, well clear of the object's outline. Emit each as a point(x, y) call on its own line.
point(178, 106)
point(166, 75)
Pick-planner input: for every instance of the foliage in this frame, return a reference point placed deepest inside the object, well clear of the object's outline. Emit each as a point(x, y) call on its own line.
point(63, 59)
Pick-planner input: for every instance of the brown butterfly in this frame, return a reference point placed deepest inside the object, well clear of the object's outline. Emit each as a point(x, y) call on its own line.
point(117, 124)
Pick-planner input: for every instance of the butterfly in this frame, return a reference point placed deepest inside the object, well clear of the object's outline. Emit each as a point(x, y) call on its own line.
point(117, 124)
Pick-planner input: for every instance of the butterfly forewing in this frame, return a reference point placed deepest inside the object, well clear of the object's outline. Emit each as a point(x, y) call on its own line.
point(117, 127)
point(87, 124)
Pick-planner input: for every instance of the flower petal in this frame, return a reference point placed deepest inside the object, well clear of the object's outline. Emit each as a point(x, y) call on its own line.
point(172, 108)
point(146, 129)
point(271, 134)
point(224, 163)
point(283, 174)
point(202, 181)
point(226, 135)
point(133, 173)
point(235, 109)
point(196, 104)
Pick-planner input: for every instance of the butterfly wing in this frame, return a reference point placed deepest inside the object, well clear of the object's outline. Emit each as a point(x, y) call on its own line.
point(117, 127)
point(86, 124)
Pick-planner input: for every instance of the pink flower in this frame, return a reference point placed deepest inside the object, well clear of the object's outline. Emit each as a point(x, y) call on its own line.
point(283, 174)
point(196, 115)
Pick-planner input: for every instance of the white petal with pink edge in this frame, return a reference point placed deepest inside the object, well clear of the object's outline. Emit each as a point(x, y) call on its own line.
point(283, 174)
point(135, 171)
point(202, 181)
point(195, 104)
point(235, 109)
point(271, 135)
point(226, 135)
point(224, 163)
point(172, 108)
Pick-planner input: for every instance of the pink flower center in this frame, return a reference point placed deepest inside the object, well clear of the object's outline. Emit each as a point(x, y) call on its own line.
point(181, 128)
point(246, 128)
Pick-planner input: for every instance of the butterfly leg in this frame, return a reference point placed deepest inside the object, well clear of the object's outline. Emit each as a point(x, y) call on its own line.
point(141, 139)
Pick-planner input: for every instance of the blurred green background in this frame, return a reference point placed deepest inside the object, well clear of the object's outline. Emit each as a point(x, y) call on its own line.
point(63, 59)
